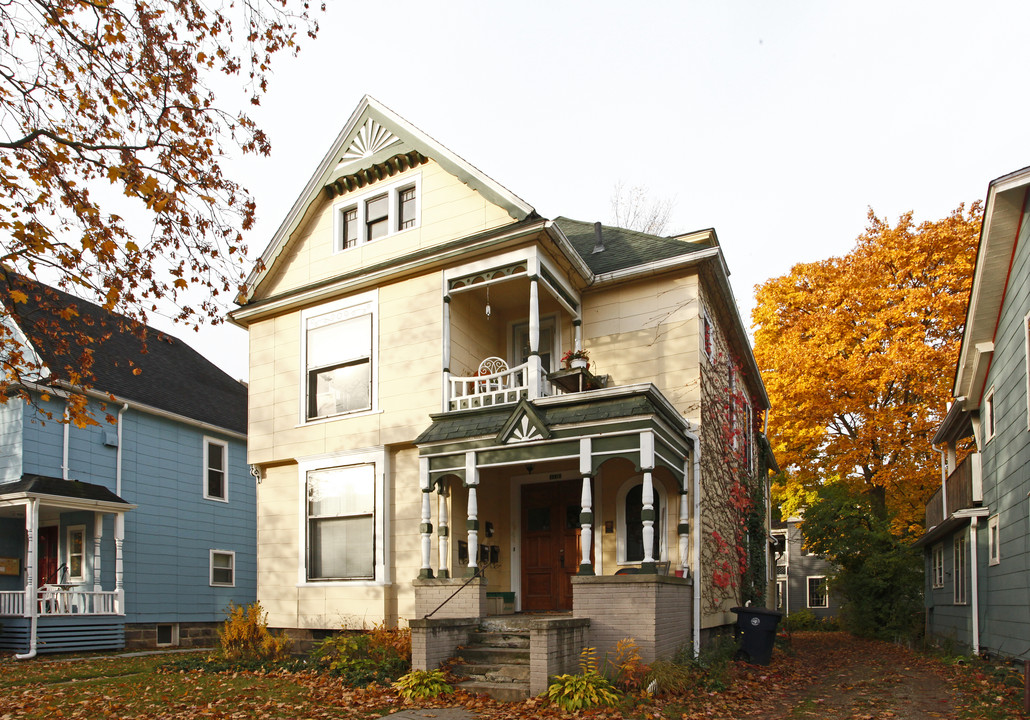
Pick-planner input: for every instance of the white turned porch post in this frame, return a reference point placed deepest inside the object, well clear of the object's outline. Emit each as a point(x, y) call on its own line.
point(119, 540)
point(577, 326)
point(98, 534)
point(647, 513)
point(31, 610)
point(426, 528)
point(444, 530)
point(683, 527)
point(446, 353)
point(472, 481)
point(586, 514)
point(535, 367)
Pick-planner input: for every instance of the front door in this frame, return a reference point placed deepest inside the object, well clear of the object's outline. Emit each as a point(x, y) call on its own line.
point(550, 544)
point(48, 554)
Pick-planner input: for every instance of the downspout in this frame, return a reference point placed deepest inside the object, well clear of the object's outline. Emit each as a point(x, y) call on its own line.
point(974, 580)
point(31, 601)
point(696, 526)
point(944, 480)
point(119, 520)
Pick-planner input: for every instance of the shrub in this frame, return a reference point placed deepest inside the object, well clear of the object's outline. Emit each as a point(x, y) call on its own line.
point(379, 655)
point(422, 684)
point(711, 666)
point(586, 690)
point(245, 638)
point(800, 620)
point(630, 672)
point(670, 678)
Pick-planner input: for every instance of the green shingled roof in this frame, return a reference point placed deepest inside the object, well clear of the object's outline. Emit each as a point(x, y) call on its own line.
point(623, 248)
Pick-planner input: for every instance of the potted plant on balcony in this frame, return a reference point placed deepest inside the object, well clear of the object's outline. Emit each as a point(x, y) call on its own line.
point(576, 359)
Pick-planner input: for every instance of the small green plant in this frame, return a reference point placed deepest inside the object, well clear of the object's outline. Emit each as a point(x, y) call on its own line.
point(588, 689)
point(378, 655)
point(670, 678)
point(422, 684)
point(245, 638)
point(712, 665)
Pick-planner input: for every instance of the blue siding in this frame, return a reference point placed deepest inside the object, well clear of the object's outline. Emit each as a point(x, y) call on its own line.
point(168, 538)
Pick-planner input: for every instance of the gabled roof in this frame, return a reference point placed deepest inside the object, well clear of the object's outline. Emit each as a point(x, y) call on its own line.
point(1003, 214)
point(373, 140)
point(172, 377)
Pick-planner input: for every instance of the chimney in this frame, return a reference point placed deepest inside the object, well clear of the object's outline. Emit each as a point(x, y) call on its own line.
point(598, 242)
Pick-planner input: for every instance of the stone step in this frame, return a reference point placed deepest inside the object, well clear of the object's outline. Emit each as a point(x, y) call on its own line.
point(495, 672)
point(501, 639)
point(505, 692)
point(480, 655)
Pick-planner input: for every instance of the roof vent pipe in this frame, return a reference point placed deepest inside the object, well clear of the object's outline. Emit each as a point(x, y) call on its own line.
point(598, 242)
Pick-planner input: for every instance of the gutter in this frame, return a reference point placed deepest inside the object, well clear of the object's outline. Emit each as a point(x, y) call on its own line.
point(696, 560)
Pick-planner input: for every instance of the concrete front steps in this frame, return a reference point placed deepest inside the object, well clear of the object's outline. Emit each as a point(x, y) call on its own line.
point(496, 660)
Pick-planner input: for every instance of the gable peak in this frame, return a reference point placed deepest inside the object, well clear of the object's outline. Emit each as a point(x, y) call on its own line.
point(369, 139)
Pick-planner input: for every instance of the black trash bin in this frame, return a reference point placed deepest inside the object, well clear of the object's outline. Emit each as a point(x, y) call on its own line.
point(757, 627)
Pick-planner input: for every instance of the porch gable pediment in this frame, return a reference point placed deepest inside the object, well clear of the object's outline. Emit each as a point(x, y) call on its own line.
point(524, 425)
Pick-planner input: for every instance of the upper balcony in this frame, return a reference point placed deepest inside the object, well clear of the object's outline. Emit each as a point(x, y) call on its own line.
point(963, 489)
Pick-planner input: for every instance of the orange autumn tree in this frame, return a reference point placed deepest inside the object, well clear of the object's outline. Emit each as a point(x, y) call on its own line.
point(109, 110)
point(858, 355)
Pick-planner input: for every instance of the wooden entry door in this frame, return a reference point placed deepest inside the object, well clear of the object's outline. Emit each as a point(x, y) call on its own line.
point(47, 554)
point(550, 544)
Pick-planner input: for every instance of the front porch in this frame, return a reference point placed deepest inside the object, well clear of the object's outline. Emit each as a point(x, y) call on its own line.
point(52, 598)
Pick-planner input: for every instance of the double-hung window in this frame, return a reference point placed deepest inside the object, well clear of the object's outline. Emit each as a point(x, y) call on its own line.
point(818, 597)
point(76, 560)
point(222, 568)
point(989, 415)
point(937, 565)
point(341, 533)
point(960, 566)
point(216, 485)
point(993, 541)
point(339, 352)
point(383, 210)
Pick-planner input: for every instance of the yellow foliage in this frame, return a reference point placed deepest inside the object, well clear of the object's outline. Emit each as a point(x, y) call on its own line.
point(245, 637)
point(858, 352)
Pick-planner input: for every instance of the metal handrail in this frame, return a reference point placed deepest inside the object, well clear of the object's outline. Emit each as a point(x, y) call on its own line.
point(478, 573)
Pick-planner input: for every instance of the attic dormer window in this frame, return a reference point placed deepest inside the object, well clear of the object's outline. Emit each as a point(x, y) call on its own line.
point(384, 210)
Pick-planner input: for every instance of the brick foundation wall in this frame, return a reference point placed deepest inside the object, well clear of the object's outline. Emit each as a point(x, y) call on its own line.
point(554, 649)
point(143, 636)
point(470, 601)
point(654, 610)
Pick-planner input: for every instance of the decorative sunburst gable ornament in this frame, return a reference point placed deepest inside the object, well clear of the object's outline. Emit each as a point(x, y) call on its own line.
point(523, 425)
point(371, 138)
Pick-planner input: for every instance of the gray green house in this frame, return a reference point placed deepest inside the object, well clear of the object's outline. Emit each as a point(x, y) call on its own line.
point(977, 543)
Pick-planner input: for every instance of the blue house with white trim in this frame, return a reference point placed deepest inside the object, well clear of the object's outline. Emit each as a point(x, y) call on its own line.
point(136, 531)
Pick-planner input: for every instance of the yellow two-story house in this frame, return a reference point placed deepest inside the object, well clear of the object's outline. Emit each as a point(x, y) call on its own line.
point(427, 451)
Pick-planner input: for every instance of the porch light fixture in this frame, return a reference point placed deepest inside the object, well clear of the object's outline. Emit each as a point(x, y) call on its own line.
point(488, 302)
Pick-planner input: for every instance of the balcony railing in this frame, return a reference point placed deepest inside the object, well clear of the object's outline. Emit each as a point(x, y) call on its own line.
point(964, 490)
point(500, 388)
point(59, 601)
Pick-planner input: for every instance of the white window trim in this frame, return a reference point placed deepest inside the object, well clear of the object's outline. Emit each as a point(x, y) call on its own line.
point(372, 456)
point(211, 567)
point(208, 442)
point(990, 418)
point(68, 553)
point(371, 298)
point(175, 635)
point(392, 191)
point(705, 318)
point(937, 565)
point(960, 570)
point(785, 555)
point(993, 540)
point(620, 520)
point(808, 592)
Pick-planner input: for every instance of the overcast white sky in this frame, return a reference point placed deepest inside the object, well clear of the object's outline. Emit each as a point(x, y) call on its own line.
point(776, 122)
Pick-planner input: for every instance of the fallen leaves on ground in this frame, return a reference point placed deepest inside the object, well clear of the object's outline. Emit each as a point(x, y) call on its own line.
point(828, 676)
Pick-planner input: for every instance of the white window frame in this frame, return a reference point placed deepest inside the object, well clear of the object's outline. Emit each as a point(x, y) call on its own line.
point(208, 442)
point(808, 592)
point(993, 540)
point(960, 570)
point(231, 554)
point(69, 531)
point(937, 565)
point(706, 336)
point(661, 521)
point(785, 555)
point(175, 635)
point(374, 456)
point(990, 416)
point(358, 202)
point(355, 306)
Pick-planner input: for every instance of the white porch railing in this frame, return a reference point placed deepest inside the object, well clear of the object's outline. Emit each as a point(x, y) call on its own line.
point(57, 601)
point(12, 602)
point(500, 388)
